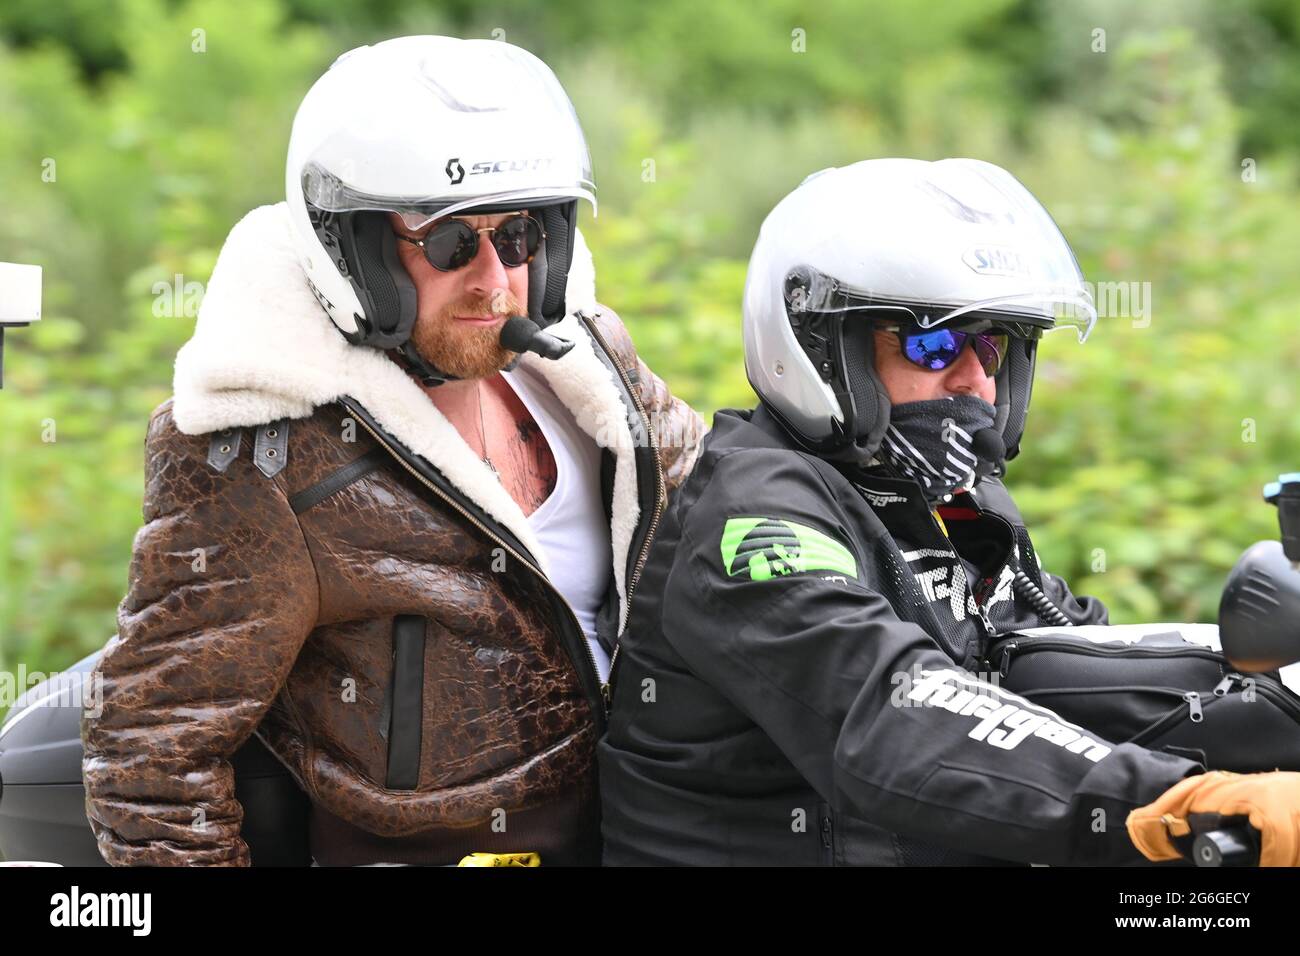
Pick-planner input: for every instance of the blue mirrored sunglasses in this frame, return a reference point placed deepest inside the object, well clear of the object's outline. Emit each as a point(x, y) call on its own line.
point(938, 349)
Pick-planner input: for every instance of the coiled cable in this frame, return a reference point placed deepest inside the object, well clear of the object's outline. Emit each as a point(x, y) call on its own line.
point(1041, 602)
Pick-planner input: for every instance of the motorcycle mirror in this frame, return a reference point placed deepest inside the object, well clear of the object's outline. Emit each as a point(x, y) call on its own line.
point(1259, 613)
point(20, 301)
point(1284, 494)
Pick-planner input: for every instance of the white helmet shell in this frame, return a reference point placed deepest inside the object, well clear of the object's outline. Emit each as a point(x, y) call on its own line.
point(427, 126)
point(942, 239)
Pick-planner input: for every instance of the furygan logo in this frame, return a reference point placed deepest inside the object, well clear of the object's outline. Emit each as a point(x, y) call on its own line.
point(879, 499)
point(1004, 723)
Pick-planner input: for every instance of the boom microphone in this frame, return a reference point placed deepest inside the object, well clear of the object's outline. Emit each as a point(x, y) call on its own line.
point(521, 334)
point(989, 449)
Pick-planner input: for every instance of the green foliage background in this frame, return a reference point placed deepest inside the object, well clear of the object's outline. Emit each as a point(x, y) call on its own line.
point(1146, 447)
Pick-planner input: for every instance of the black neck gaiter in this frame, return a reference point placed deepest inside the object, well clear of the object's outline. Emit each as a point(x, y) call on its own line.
point(930, 441)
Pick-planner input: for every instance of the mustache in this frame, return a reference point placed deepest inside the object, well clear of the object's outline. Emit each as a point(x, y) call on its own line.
point(501, 303)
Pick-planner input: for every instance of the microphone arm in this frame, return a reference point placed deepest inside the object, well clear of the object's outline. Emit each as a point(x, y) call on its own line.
point(521, 334)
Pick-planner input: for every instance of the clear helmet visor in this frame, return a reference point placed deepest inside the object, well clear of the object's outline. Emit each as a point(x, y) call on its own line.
point(1049, 308)
point(326, 191)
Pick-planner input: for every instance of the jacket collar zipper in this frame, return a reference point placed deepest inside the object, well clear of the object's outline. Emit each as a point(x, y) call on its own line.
point(979, 596)
point(903, 521)
point(986, 589)
point(590, 675)
point(649, 529)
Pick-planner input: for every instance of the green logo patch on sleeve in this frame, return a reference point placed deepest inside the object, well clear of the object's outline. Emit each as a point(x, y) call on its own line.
point(763, 548)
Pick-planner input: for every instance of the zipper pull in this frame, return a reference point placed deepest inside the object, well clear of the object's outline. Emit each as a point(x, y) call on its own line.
point(826, 831)
point(1194, 702)
point(606, 697)
point(1005, 664)
point(1222, 687)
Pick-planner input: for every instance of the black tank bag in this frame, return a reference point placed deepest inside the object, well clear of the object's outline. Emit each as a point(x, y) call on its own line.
point(1157, 689)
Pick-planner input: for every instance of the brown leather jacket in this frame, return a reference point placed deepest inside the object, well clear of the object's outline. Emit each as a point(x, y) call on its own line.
point(316, 582)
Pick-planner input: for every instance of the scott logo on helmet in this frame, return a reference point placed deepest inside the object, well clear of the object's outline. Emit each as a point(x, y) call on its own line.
point(456, 172)
point(763, 548)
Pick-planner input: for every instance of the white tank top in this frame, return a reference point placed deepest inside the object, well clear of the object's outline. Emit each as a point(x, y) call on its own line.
point(570, 524)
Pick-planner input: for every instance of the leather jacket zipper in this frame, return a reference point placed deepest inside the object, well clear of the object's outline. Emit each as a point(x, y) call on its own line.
point(602, 711)
point(655, 514)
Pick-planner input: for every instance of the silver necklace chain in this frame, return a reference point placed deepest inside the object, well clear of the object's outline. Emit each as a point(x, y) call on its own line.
point(482, 432)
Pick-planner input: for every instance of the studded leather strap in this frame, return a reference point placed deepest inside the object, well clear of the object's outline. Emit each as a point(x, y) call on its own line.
point(270, 447)
point(224, 448)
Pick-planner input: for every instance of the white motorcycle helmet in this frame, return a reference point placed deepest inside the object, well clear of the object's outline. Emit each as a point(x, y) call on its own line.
point(954, 241)
point(428, 127)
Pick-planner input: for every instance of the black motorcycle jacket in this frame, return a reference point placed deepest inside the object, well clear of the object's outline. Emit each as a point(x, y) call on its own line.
point(802, 680)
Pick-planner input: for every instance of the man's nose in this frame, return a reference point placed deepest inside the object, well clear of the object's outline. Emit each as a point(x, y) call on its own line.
point(967, 374)
point(485, 273)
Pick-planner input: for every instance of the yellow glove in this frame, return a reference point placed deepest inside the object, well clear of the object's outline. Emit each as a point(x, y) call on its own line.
point(1270, 800)
point(501, 859)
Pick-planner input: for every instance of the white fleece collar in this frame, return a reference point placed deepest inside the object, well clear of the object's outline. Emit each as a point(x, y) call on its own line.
point(263, 349)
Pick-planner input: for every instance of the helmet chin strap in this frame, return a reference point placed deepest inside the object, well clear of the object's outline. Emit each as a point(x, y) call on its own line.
point(428, 373)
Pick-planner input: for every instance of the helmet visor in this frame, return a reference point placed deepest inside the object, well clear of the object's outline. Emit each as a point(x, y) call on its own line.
point(326, 191)
point(1047, 306)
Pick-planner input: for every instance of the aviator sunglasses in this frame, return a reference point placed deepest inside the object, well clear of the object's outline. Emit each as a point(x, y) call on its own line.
point(453, 243)
point(938, 349)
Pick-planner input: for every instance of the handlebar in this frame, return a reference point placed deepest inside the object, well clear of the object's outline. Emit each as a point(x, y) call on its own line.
point(1227, 846)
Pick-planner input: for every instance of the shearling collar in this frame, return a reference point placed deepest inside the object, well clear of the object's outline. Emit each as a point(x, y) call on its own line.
point(263, 349)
